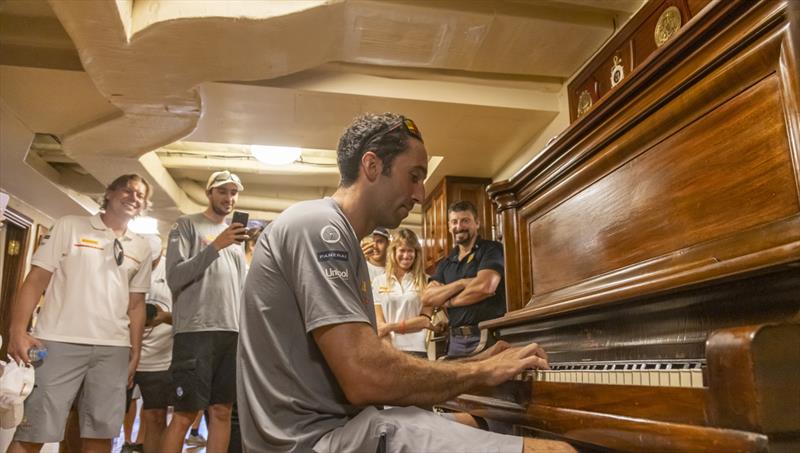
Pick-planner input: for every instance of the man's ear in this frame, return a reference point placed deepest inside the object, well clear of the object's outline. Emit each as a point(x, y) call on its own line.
point(372, 166)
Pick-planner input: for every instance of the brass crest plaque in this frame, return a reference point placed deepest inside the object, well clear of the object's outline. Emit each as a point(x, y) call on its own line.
point(584, 102)
point(617, 72)
point(668, 23)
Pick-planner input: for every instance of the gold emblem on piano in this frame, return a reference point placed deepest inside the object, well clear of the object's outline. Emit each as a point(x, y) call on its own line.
point(668, 23)
point(617, 72)
point(584, 102)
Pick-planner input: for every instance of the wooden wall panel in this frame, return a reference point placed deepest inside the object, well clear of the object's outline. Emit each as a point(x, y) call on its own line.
point(713, 178)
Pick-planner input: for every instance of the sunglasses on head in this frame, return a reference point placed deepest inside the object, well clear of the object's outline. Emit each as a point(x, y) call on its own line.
point(226, 174)
point(119, 253)
point(405, 123)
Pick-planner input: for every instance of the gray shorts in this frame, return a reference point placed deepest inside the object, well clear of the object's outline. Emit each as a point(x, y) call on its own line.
point(97, 375)
point(412, 429)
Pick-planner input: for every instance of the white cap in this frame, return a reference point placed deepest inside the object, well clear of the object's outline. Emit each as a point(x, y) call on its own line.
point(220, 178)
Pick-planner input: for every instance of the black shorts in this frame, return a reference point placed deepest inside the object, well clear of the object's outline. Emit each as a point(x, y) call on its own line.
point(203, 369)
point(156, 388)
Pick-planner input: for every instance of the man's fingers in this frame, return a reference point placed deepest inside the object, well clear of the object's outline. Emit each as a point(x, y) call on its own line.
point(536, 363)
point(534, 349)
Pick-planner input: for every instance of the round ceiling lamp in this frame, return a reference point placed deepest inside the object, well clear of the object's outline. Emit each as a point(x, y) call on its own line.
point(275, 155)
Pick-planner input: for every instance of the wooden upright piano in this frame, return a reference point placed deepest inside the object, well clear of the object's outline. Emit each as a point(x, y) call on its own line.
point(653, 249)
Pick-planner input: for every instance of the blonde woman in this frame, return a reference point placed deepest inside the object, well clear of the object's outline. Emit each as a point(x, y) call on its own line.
point(398, 309)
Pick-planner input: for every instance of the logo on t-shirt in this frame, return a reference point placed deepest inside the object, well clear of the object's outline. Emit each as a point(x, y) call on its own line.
point(339, 255)
point(332, 273)
point(330, 234)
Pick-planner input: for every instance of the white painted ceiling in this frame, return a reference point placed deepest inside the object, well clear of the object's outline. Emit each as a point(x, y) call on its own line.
point(175, 89)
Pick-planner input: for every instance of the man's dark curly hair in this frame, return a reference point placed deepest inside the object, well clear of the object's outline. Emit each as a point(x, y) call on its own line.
point(365, 135)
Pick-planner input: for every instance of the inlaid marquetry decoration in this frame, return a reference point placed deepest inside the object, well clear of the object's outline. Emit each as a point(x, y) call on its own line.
point(584, 102)
point(617, 71)
point(668, 23)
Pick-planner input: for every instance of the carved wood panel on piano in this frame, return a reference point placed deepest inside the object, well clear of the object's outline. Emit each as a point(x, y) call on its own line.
point(654, 251)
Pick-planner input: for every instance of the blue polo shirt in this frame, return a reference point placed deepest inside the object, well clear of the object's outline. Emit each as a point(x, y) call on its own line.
point(484, 255)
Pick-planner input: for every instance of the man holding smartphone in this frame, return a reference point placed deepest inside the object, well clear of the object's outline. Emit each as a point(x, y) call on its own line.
point(205, 272)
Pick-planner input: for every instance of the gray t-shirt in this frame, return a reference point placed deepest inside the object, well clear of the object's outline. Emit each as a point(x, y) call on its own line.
point(307, 272)
point(206, 285)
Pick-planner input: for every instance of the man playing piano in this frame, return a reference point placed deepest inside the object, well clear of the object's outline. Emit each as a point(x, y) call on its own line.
point(469, 282)
point(313, 373)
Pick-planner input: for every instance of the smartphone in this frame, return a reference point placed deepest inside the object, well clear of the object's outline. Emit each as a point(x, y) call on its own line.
point(151, 311)
point(240, 217)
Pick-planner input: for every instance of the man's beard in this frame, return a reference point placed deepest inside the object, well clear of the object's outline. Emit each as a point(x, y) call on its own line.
point(220, 210)
point(466, 239)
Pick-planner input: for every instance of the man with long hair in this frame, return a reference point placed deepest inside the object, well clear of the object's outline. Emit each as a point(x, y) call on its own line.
point(94, 273)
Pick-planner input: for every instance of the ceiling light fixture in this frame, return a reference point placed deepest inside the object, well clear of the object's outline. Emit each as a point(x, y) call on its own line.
point(143, 225)
point(275, 155)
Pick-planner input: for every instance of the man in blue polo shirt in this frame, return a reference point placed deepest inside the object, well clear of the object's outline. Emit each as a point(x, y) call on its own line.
point(469, 282)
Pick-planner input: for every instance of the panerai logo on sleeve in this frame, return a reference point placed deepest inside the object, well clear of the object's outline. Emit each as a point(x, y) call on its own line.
point(331, 273)
point(339, 255)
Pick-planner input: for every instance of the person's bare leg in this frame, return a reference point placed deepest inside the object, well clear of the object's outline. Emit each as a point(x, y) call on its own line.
point(219, 427)
point(24, 447)
point(154, 423)
point(172, 439)
point(142, 433)
point(96, 445)
point(72, 434)
point(530, 445)
point(127, 422)
point(197, 420)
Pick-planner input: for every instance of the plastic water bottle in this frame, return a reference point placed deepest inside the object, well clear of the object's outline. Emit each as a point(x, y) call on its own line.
point(37, 354)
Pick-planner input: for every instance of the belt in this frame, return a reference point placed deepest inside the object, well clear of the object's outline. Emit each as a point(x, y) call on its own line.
point(465, 330)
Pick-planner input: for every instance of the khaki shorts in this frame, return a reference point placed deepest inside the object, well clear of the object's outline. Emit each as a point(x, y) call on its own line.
point(412, 429)
point(96, 375)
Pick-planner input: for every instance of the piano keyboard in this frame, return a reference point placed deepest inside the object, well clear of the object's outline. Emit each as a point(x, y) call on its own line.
point(650, 373)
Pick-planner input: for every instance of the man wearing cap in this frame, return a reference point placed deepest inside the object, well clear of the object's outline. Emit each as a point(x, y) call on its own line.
point(315, 371)
point(375, 251)
point(205, 271)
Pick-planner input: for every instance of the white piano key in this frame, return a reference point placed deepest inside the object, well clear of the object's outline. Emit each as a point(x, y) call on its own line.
point(697, 378)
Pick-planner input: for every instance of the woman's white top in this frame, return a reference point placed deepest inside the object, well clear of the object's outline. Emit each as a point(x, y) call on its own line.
point(400, 301)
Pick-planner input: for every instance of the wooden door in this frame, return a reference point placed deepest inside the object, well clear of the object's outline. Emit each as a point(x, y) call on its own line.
point(15, 248)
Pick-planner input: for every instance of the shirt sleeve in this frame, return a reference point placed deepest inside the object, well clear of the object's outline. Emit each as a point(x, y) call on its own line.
point(324, 273)
point(140, 283)
point(54, 246)
point(492, 259)
point(182, 267)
